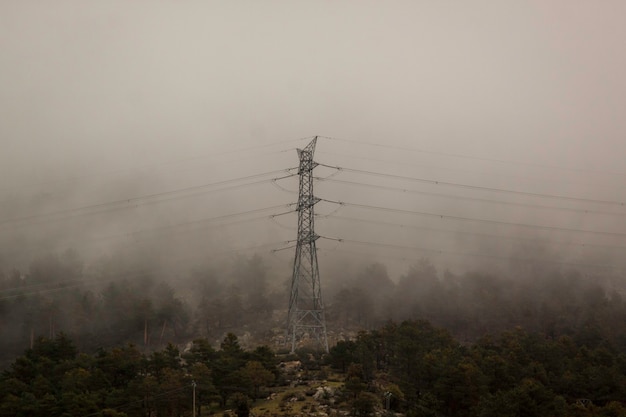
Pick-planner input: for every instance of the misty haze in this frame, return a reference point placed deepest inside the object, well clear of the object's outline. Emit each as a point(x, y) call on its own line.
point(469, 166)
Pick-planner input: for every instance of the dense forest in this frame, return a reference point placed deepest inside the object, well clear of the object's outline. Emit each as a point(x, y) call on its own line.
point(457, 169)
point(410, 367)
point(53, 379)
point(119, 339)
point(426, 372)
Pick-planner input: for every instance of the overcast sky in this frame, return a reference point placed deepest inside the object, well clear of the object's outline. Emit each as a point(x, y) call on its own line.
point(101, 86)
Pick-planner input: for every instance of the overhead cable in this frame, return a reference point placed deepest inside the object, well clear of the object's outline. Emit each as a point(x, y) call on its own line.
point(145, 199)
point(481, 200)
point(470, 219)
point(456, 232)
point(480, 255)
point(476, 187)
point(213, 155)
point(462, 156)
point(45, 288)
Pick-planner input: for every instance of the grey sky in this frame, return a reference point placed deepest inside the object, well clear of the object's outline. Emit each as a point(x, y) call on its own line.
point(94, 87)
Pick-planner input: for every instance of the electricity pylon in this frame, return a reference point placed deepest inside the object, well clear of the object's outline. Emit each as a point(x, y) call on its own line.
point(306, 310)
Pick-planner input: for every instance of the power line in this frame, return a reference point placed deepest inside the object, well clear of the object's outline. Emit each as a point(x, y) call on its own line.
point(135, 237)
point(479, 255)
point(478, 158)
point(139, 200)
point(396, 163)
point(34, 289)
point(482, 200)
point(476, 187)
point(208, 220)
point(461, 218)
point(60, 284)
point(405, 226)
point(213, 155)
point(41, 289)
point(285, 247)
point(277, 223)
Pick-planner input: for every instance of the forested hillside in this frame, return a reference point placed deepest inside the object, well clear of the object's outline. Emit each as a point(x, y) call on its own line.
point(428, 373)
point(113, 302)
point(53, 379)
point(411, 368)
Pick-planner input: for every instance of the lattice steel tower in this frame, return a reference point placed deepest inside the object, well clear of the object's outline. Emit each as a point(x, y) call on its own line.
point(306, 310)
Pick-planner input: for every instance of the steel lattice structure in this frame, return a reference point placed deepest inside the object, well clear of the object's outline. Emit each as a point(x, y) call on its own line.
point(306, 310)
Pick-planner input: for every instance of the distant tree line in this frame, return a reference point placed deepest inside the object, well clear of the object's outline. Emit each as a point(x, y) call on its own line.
point(114, 303)
point(553, 302)
point(117, 300)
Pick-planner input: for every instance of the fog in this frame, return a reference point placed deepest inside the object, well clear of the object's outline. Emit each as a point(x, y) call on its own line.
point(482, 136)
